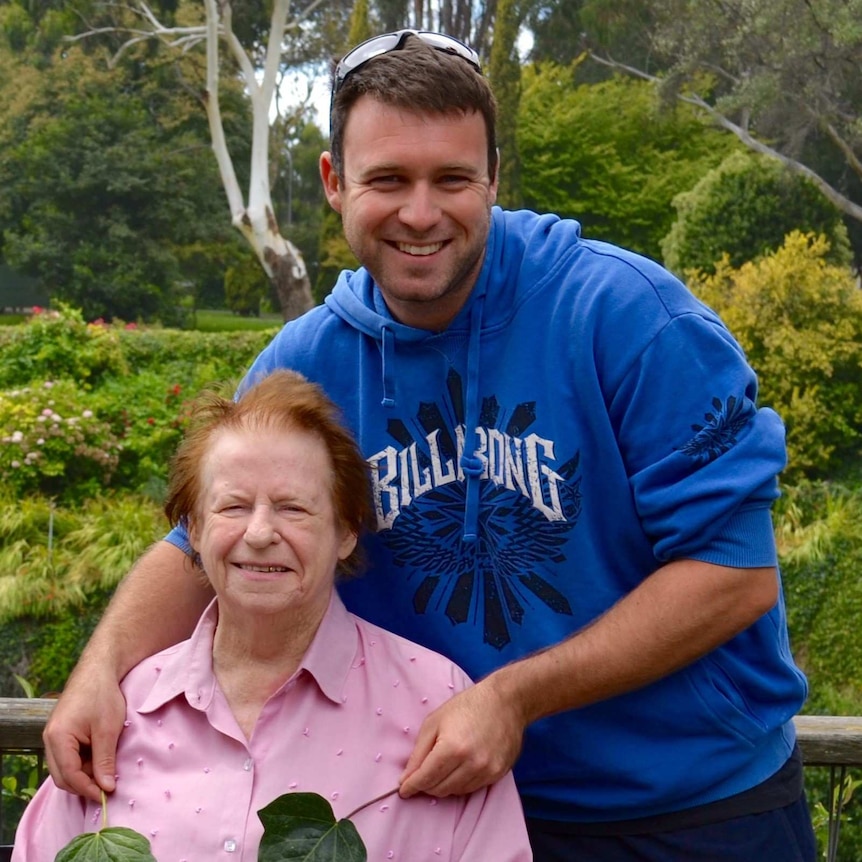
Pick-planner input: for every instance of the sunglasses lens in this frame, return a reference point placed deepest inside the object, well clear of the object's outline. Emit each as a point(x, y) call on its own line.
point(364, 52)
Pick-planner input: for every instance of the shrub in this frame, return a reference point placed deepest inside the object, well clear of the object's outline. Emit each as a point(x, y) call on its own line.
point(744, 209)
point(54, 345)
point(53, 442)
point(52, 558)
point(799, 320)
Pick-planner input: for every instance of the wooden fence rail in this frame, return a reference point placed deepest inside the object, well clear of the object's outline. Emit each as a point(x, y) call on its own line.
point(825, 740)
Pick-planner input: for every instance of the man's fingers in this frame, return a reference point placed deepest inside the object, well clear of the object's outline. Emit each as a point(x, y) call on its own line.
point(81, 738)
point(431, 771)
point(104, 747)
point(425, 741)
point(68, 769)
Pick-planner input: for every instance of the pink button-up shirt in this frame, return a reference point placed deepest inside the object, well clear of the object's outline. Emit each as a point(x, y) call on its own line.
point(342, 726)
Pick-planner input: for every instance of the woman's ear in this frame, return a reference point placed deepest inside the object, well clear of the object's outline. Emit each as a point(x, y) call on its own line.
point(348, 545)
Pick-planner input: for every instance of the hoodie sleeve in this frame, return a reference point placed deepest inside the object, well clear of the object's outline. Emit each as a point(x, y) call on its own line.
point(702, 457)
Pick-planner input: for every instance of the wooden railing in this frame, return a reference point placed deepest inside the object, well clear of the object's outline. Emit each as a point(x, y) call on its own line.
point(825, 740)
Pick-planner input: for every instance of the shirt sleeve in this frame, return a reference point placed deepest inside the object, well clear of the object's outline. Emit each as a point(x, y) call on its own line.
point(492, 826)
point(50, 821)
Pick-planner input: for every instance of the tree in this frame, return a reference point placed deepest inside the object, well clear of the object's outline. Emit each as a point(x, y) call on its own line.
point(563, 29)
point(504, 72)
point(104, 183)
point(259, 68)
point(799, 320)
point(783, 77)
point(607, 155)
point(298, 193)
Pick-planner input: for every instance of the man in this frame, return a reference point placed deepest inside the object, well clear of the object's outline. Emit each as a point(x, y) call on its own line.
point(573, 487)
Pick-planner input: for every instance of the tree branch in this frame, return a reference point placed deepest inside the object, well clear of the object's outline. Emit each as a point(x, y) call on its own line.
point(840, 201)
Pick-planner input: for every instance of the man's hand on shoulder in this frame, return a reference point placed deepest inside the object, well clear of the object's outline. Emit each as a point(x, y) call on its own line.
point(82, 732)
point(469, 742)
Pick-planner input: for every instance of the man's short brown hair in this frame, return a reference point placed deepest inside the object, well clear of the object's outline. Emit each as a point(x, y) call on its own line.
point(418, 78)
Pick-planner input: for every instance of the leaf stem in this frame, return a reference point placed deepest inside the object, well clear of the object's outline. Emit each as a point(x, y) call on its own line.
point(104, 810)
point(371, 802)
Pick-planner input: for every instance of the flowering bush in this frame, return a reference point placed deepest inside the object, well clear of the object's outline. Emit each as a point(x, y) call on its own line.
point(59, 344)
point(147, 414)
point(52, 442)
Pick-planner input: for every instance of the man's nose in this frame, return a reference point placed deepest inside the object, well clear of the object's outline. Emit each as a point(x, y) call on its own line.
point(420, 210)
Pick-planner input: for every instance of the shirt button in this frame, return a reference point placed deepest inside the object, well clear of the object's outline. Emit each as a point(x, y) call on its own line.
point(230, 846)
point(248, 764)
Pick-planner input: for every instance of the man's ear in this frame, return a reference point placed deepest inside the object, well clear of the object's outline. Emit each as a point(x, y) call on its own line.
point(495, 180)
point(331, 182)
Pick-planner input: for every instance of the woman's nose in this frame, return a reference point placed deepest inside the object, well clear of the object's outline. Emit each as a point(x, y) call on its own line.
point(260, 530)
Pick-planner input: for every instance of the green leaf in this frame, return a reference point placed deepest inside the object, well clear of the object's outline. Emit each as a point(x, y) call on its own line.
point(113, 844)
point(302, 827)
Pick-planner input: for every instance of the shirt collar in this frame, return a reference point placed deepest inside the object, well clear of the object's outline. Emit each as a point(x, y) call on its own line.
point(187, 668)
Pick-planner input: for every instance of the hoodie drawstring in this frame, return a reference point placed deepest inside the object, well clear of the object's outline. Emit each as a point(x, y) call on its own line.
point(471, 464)
point(388, 358)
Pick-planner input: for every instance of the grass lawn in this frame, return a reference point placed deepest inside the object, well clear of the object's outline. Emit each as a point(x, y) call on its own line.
point(217, 320)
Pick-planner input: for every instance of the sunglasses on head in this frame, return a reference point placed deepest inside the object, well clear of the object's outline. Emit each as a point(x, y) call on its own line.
point(388, 42)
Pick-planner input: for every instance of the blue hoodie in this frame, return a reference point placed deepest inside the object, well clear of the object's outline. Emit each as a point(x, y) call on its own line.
point(581, 422)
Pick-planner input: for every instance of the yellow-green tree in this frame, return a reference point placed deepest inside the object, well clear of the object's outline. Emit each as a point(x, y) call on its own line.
point(799, 319)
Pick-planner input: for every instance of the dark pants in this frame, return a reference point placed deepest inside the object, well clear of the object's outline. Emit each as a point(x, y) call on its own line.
point(782, 835)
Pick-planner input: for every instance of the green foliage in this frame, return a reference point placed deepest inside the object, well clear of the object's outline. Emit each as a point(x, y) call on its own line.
point(52, 557)
point(106, 179)
point(298, 193)
point(799, 320)
point(20, 781)
point(819, 534)
point(835, 809)
point(52, 442)
point(112, 844)
point(335, 255)
point(607, 155)
point(744, 209)
point(245, 286)
point(301, 827)
point(784, 72)
point(57, 345)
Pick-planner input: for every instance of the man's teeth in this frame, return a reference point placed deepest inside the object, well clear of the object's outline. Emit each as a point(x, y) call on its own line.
point(267, 569)
point(419, 249)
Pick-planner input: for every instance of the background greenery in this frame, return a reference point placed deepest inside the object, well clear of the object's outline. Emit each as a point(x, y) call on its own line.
point(110, 199)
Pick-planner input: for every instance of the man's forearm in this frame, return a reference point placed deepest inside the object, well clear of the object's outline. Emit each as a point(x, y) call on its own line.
point(680, 613)
point(156, 605)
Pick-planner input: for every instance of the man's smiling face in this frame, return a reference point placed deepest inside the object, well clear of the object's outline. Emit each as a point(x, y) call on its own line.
point(415, 201)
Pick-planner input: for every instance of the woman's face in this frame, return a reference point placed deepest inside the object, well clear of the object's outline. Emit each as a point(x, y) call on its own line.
point(265, 525)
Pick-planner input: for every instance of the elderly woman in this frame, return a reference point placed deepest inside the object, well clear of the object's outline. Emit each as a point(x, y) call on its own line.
point(279, 689)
